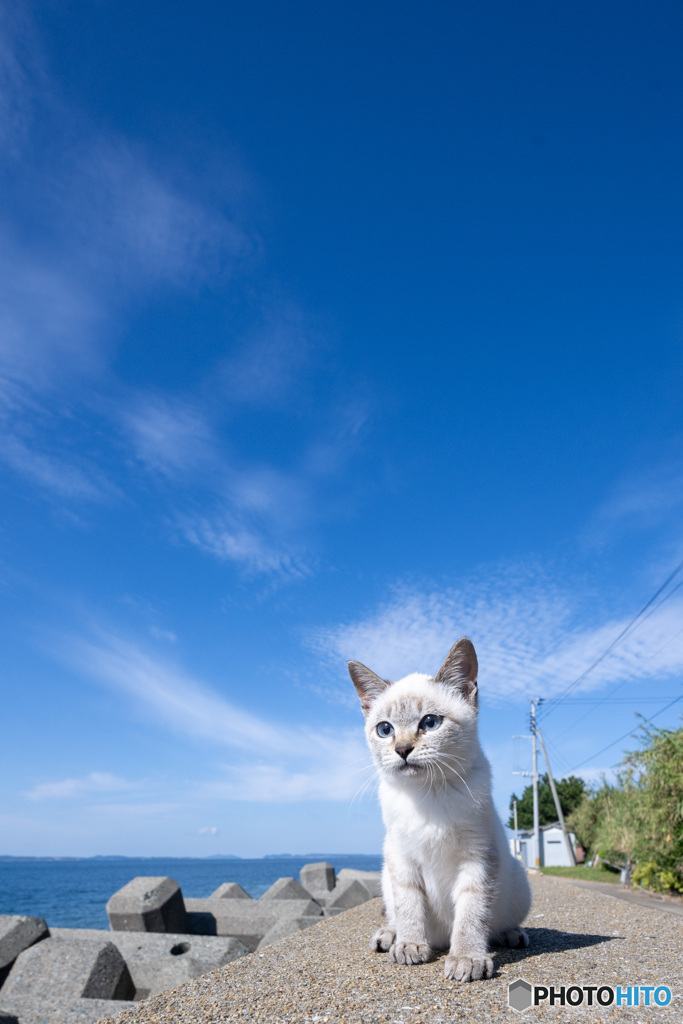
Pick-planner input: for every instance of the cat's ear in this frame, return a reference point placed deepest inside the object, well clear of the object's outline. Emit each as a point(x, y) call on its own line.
point(460, 670)
point(368, 685)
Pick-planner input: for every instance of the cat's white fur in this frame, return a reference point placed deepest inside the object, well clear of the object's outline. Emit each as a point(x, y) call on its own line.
point(449, 881)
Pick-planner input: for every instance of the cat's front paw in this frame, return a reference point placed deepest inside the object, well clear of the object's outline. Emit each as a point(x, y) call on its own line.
point(515, 938)
point(411, 952)
point(383, 940)
point(466, 968)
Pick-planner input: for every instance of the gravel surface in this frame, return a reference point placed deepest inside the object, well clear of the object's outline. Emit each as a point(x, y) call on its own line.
point(328, 974)
point(642, 897)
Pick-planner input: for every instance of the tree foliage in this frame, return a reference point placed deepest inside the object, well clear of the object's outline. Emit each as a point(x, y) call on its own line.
point(570, 793)
point(640, 819)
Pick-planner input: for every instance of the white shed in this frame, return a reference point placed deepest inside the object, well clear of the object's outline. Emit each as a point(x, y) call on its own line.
point(553, 852)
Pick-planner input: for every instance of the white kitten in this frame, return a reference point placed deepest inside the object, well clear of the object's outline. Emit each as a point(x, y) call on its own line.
point(449, 881)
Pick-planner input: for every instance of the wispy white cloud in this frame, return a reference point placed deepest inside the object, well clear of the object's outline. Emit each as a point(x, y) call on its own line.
point(54, 474)
point(345, 774)
point(139, 225)
point(20, 70)
point(69, 789)
point(177, 698)
point(170, 437)
point(270, 360)
point(91, 221)
point(117, 228)
point(49, 322)
point(594, 777)
point(642, 499)
point(532, 636)
point(230, 541)
point(277, 762)
point(167, 635)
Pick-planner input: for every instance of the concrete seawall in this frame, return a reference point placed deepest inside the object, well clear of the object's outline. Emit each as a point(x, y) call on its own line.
point(328, 974)
point(157, 941)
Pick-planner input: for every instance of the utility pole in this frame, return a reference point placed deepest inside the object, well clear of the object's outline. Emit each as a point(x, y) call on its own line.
point(558, 808)
point(534, 781)
point(514, 811)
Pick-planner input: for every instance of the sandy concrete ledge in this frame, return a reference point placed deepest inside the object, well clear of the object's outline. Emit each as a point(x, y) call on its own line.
point(328, 974)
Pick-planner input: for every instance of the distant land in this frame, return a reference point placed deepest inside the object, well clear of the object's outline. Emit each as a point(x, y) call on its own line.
point(117, 857)
point(4, 858)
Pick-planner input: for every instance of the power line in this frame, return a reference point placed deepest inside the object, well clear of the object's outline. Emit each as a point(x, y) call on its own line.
point(573, 701)
point(558, 755)
point(612, 700)
point(610, 745)
point(554, 702)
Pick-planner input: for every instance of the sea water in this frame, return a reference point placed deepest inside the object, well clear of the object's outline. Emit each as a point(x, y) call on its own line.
point(73, 893)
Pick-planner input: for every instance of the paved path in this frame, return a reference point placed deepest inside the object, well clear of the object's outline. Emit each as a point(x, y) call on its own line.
point(669, 904)
point(328, 974)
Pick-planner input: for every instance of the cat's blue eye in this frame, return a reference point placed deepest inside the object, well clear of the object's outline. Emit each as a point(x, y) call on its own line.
point(430, 722)
point(385, 729)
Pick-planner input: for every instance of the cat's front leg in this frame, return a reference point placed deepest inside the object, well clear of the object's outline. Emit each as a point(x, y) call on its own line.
point(468, 958)
point(408, 899)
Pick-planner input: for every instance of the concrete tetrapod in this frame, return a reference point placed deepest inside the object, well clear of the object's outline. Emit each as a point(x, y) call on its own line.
point(372, 880)
point(17, 933)
point(286, 889)
point(160, 962)
point(230, 891)
point(59, 980)
point(247, 920)
point(318, 877)
point(147, 905)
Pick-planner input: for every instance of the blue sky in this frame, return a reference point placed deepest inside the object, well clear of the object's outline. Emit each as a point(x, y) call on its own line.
point(327, 331)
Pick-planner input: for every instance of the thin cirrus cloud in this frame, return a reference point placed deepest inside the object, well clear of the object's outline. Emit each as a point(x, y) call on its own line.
point(228, 539)
point(271, 360)
point(344, 775)
point(175, 441)
point(20, 67)
point(641, 500)
point(151, 230)
point(116, 228)
point(91, 226)
point(70, 789)
point(279, 761)
point(170, 437)
point(531, 637)
point(179, 700)
point(53, 474)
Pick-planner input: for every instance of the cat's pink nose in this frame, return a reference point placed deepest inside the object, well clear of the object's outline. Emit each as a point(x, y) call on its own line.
point(403, 752)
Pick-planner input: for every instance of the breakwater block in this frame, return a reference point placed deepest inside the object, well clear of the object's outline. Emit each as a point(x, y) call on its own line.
point(371, 880)
point(346, 895)
point(160, 962)
point(58, 972)
point(317, 877)
point(230, 891)
point(147, 905)
point(286, 889)
point(246, 920)
point(17, 933)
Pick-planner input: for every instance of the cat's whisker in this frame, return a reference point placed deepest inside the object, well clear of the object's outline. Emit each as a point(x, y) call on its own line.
point(453, 757)
point(426, 785)
point(364, 768)
point(464, 782)
point(444, 781)
point(446, 758)
point(364, 786)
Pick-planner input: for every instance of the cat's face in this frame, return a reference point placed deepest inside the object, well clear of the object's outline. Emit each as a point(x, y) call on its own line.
point(421, 727)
